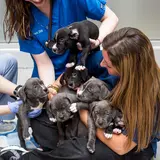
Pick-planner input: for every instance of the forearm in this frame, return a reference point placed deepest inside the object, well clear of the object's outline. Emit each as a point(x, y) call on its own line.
point(117, 143)
point(46, 73)
point(6, 87)
point(109, 23)
point(4, 109)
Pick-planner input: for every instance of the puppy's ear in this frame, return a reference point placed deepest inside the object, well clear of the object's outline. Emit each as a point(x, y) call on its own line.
point(84, 74)
point(92, 106)
point(22, 94)
point(72, 98)
point(104, 92)
point(114, 113)
point(74, 34)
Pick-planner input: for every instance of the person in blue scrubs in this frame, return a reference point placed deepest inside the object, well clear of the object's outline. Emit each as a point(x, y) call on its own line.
point(31, 24)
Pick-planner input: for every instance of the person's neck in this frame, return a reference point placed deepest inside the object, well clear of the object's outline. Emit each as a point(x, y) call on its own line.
point(45, 8)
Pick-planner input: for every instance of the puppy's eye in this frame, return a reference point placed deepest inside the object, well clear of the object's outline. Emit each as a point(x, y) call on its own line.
point(74, 74)
point(61, 39)
point(35, 86)
point(90, 90)
point(96, 112)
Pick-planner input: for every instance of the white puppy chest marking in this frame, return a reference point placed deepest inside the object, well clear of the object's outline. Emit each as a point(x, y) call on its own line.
point(40, 106)
point(79, 92)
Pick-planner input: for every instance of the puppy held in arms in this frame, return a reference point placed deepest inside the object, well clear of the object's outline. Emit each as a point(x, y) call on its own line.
point(101, 113)
point(58, 110)
point(34, 94)
point(68, 38)
point(75, 78)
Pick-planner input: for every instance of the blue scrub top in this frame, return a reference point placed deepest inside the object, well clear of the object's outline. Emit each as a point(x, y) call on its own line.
point(64, 12)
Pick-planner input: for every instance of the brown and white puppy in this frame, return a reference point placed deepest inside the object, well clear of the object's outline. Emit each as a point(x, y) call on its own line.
point(34, 94)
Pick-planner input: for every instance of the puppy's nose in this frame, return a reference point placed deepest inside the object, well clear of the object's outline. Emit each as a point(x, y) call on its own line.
point(100, 122)
point(54, 50)
point(45, 89)
point(61, 116)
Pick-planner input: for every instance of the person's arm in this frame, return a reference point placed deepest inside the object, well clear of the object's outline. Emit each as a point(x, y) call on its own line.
point(6, 87)
point(117, 143)
point(45, 68)
point(109, 23)
point(4, 109)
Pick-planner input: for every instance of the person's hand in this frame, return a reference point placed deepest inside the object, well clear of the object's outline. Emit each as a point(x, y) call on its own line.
point(14, 107)
point(53, 88)
point(94, 44)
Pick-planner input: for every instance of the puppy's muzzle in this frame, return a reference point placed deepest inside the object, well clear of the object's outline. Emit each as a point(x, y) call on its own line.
point(54, 48)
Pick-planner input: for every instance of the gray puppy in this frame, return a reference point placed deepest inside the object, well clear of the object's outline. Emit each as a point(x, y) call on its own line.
point(106, 117)
point(58, 110)
point(95, 90)
point(102, 115)
point(34, 94)
point(92, 90)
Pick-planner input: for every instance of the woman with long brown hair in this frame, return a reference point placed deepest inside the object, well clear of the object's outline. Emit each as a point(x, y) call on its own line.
point(128, 53)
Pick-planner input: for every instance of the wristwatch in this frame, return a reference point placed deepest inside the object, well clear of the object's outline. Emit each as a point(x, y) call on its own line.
point(15, 92)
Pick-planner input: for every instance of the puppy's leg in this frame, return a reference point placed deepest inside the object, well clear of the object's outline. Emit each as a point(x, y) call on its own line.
point(20, 131)
point(91, 135)
point(77, 106)
point(109, 131)
point(61, 133)
point(85, 53)
point(49, 112)
point(72, 58)
point(23, 111)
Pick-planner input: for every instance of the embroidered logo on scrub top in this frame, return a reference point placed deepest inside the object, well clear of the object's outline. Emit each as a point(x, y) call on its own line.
point(38, 32)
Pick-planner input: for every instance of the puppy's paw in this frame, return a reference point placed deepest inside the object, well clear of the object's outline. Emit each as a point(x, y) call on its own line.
point(28, 138)
point(80, 68)
point(91, 147)
point(69, 65)
point(73, 108)
point(53, 120)
point(117, 130)
point(26, 135)
point(108, 135)
point(60, 142)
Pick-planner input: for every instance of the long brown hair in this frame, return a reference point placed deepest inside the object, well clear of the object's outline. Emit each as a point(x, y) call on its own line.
point(17, 19)
point(138, 90)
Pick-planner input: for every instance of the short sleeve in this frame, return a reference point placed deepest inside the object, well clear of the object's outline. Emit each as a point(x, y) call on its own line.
point(31, 46)
point(95, 9)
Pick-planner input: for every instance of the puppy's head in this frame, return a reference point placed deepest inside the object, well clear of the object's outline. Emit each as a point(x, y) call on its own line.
point(60, 107)
point(33, 92)
point(77, 78)
point(102, 113)
point(92, 90)
point(61, 41)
